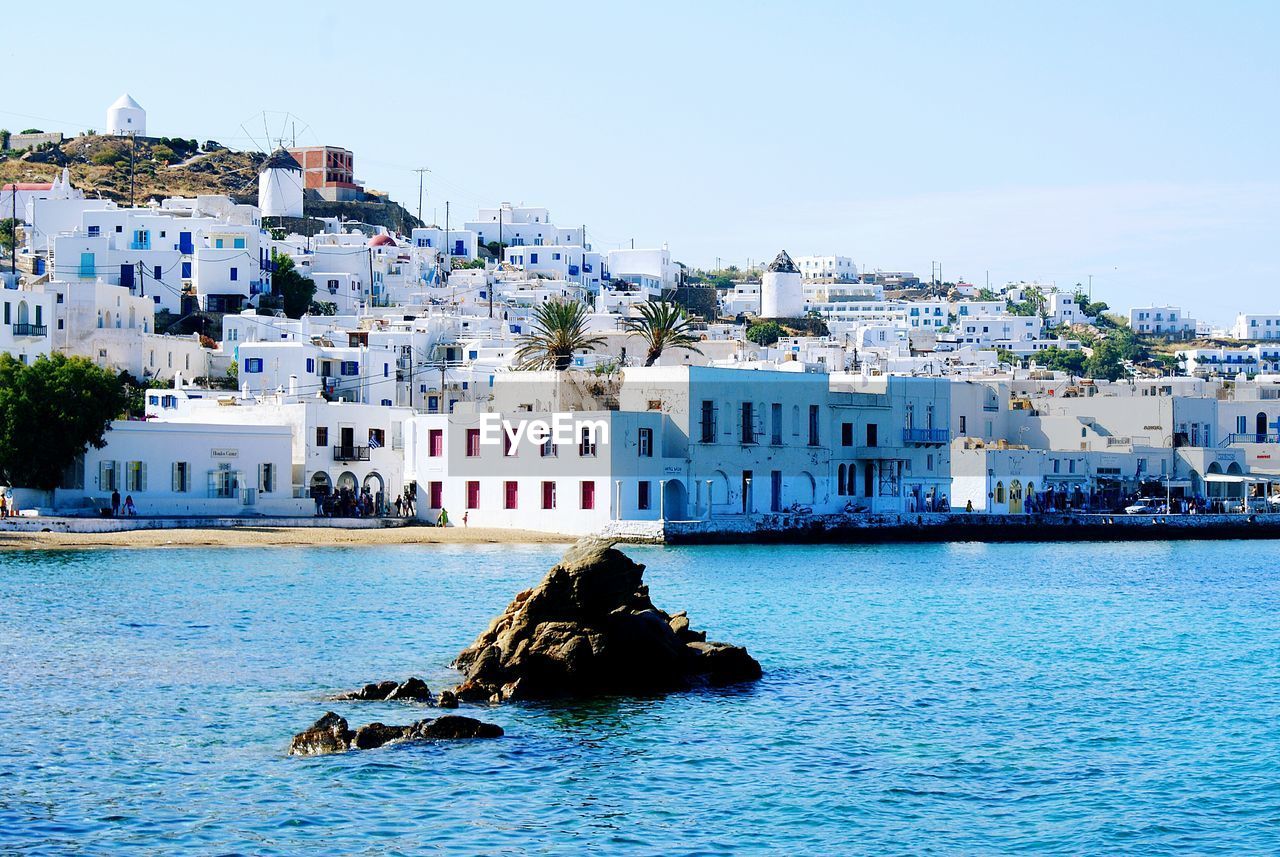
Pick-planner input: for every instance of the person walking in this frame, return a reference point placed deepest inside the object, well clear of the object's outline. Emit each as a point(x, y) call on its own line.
point(115, 503)
point(444, 518)
point(129, 508)
point(465, 516)
point(397, 506)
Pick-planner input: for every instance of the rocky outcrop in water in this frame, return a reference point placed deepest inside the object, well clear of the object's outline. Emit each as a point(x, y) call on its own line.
point(412, 690)
point(332, 734)
point(589, 628)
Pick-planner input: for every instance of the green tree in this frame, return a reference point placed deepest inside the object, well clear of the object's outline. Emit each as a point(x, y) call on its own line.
point(8, 233)
point(559, 329)
point(662, 325)
point(764, 333)
point(51, 411)
point(1111, 352)
point(1062, 360)
point(294, 290)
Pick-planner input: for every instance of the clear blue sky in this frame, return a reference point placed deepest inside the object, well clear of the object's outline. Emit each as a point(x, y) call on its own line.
point(1134, 141)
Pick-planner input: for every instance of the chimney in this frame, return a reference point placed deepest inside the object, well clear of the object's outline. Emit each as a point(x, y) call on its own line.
point(293, 386)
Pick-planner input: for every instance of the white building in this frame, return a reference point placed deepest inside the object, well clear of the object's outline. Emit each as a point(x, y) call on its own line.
point(280, 186)
point(190, 468)
point(25, 329)
point(1250, 327)
point(126, 117)
point(1161, 320)
point(781, 289)
point(827, 268)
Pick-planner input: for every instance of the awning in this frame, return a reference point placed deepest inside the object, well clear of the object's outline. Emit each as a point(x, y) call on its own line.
point(1236, 478)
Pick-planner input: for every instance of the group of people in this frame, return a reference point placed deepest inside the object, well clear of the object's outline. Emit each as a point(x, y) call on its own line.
point(7, 507)
point(127, 509)
point(348, 503)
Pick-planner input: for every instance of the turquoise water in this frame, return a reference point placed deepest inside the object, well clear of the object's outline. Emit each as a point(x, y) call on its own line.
point(961, 698)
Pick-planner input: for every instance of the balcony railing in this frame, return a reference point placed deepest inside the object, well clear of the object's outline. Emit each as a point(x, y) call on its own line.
point(22, 329)
point(351, 453)
point(925, 435)
point(1249, 437)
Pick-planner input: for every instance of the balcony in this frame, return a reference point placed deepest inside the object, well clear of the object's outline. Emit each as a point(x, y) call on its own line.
point(926, 436)
point(1249, 437)
point(23, 329)
point(351, 453)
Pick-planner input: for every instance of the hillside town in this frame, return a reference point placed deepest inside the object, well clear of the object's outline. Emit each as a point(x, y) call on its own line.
point(302, 365)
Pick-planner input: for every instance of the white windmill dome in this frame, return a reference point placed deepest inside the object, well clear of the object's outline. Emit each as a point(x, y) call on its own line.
point(126, 116)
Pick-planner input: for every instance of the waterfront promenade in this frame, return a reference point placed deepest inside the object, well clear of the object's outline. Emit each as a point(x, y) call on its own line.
point(40, 532)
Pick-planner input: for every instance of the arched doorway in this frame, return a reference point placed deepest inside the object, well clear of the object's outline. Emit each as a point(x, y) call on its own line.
point(24, 316)
point(1015, 497)
point(321, 485)
point(675, 499)
point(1000, 493)
point(347, 481)
point(806, 488)
point(377, 489)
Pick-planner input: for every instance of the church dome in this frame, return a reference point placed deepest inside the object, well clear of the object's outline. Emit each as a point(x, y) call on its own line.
point(383, 240)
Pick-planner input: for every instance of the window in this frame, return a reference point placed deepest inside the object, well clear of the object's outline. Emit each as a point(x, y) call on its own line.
point(473, 494)
point(644, 494)
point(588, 494)
point(235, 274)
point(157, 273)
point(186, 270)
point(549, 449)
point(107, 477)
point(814, 411)
point(510, 494)
point(846, 434)
point(377, 438)
point(747, 433)
point(646, 443)
point(181, 477)
point(508, 448)
point(266, 477)
point(322, 435)
point(435, 443)
point(587, 445)
point(311, 365)
point(775, 423)
point(473, 443)
point(253, 365)
point(223, 482)
point(135, 476)
point(873, 434)
point(548, 495)
point(707, 421)
point(350, 367)
point(238, 243)
point(963, 425)
point(435, 495)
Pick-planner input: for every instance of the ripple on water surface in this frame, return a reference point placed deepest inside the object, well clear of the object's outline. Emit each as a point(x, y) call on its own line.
point(956, 698)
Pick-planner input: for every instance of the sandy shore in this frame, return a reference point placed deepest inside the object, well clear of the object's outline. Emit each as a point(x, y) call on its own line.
point(276, 537)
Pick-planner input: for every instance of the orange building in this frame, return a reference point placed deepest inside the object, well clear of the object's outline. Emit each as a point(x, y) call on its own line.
point(330, 171)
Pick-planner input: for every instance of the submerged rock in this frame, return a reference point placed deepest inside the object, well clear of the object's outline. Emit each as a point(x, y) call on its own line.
point(413, 689)
point(331, 734)
point(590, 628)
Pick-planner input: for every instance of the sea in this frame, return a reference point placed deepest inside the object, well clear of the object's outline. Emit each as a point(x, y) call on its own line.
point(917, 699)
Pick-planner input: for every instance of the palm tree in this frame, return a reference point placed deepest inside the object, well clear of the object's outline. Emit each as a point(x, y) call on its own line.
point(559, 329)
point(662, 325)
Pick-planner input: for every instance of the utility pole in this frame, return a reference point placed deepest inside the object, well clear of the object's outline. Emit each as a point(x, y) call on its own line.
point(13, 230)
point(420, 171)
point(133, 157)
point(448, 256)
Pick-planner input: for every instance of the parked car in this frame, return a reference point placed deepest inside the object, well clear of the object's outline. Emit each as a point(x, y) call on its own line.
point(1145, 506)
